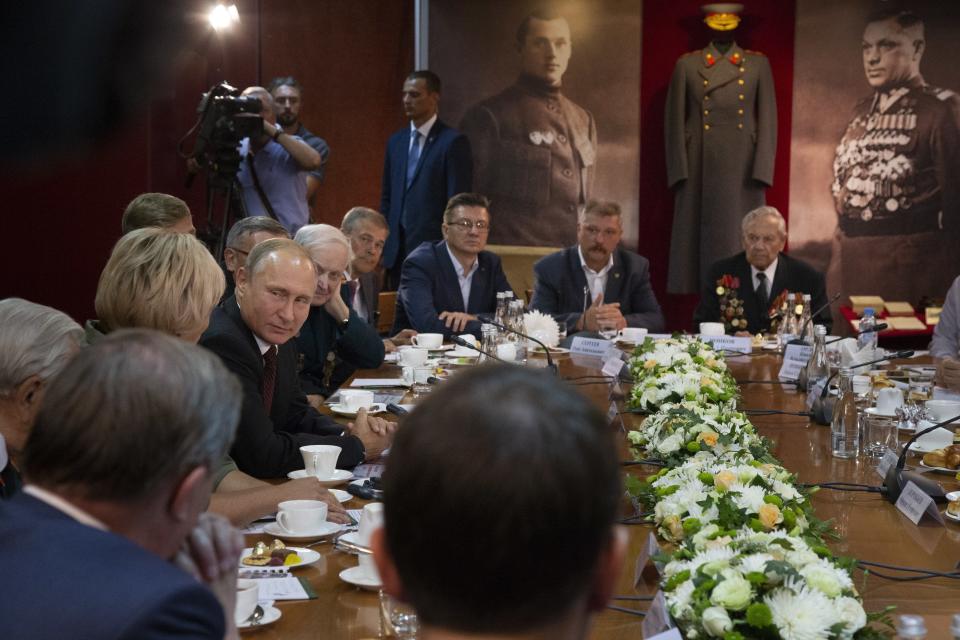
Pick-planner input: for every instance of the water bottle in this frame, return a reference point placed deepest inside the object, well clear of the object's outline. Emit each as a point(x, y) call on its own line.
point(806, 320)
point(955, 627)
point(867, 338)
point(488, 341)
point(817, 367)
point(911, 628)
point(845, 424)
point(518, 325)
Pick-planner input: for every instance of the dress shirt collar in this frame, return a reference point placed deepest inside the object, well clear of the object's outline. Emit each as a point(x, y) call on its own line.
point(770, 271)
point(587, 269)
point(461, 272)
point(424, 129)
point(65, 507)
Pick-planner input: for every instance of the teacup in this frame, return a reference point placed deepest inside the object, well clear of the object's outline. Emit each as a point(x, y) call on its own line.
point(412, 356)
point(889, 400)
point(507, 351)
point(632, 334)
point(368, 568)
point(320, 460)
point(941, 410)
point(371, 519)
point(712, 329)
point(248, 594)
point(297, 516)
point(356, 399)
point(428, 340)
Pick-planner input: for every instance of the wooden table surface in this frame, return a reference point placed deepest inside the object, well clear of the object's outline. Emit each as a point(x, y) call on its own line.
point(871, 528)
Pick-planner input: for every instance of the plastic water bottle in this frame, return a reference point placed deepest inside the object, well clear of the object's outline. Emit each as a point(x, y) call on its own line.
point(911, 628)
point(845, 424)
point(867, 340)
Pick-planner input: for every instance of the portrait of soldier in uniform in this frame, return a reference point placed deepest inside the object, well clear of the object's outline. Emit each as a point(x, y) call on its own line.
point(534, 149)
point(897, 173)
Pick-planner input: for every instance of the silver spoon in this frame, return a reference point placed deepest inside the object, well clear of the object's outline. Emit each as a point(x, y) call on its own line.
point(256, 616)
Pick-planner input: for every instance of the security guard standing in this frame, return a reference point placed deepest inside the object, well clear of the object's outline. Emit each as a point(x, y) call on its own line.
point(721, 140)
point(534, 149)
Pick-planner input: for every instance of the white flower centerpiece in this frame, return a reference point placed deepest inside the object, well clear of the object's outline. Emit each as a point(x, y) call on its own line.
point(672, 370)
point(542, 327)
point(678, 431)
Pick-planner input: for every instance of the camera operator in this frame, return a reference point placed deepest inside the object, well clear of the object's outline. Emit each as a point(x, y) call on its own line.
point(273, 169)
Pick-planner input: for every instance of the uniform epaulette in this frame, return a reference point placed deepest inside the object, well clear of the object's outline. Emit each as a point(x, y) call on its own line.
point(755, 53)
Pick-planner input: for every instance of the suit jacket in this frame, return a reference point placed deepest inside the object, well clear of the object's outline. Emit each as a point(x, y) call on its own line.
point(105, 587)
point(268, 445)
point(445, 168)
point(560, 282)
point(357, 345)
point(429, 286)
point(792, 274)
point(721, 142)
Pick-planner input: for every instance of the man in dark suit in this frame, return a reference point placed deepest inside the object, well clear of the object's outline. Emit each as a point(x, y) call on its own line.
point(596, 282)
point(118, 471)
point(444, 285)
point(425, 164)
point(763, 273)
point(252, 333)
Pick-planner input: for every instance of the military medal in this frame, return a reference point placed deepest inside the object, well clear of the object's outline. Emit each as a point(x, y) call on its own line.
point(536, 137)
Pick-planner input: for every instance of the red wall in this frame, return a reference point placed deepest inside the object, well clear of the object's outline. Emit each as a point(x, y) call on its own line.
point(670, 29)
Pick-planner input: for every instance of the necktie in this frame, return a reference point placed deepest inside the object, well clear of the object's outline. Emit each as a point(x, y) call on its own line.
point(414, 157)
point(763, 297)
point(269, 376)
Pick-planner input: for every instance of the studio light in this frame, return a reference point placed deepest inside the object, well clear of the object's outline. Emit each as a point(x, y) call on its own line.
point(223, 17)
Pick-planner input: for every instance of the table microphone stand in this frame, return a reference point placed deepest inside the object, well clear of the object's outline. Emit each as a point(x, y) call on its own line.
point(896, 478)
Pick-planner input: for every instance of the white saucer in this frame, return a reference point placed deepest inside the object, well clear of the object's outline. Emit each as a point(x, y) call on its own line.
point(947, 514)
point(376, 407)
point(952, 472)
point(874, 411)
point(354, 576)
point(465, 353)
point(270, 615)
point(554, 351)
point(307, 556)
point(340, 476)
point(275, 530)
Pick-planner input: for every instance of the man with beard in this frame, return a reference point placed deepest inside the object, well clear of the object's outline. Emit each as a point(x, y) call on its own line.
point(287, 93)
point(273, 169)
point(596, 282)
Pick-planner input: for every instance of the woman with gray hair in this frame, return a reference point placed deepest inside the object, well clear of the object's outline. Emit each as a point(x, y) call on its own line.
point(36, 342)
point(333, 330)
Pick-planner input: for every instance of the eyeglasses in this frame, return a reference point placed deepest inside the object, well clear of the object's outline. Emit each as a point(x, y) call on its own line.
point(466, 225)
point(596, 231)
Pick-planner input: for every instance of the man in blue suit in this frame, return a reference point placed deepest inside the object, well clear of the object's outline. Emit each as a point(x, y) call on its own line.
point(444, 285)
point(597, 282)
point(426, 164)
point(118, 471)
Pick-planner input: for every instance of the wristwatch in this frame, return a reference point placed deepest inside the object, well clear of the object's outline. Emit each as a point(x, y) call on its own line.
point(277, 134)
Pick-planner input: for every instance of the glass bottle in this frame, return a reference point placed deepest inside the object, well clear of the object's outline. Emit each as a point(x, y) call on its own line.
point(488, 341)
point(867, 339)
point(518, 325)
point(845, 423)
point(500, 315)
point(806, 320)
point(911, 628)
point(817, 367)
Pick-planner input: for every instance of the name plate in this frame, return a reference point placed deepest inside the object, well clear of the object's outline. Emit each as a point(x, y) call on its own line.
point(613, 366)
point(915, 504)
point(888, 461)
point(795, 358)
point(740, 344)
point(596, 347)
point(649, 549)
point(657, 624)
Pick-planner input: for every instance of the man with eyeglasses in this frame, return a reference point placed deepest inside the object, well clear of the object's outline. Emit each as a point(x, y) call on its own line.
point(596, 283)
point(244, 235)
point(445, 285)
point(253, 334)
point(762, 272)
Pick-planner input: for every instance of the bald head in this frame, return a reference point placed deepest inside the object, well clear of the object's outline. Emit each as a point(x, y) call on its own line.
point(274, 289)
point(268, 109)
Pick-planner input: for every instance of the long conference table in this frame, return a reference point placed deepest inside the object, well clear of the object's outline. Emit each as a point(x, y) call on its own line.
point(871, 528)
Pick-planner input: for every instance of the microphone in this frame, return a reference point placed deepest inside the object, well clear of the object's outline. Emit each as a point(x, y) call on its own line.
point(822, 407)
point(550, 364)
point(880, 327)
point(396, 410)
point(463, 343)
point(896, 478)
point(803, 329)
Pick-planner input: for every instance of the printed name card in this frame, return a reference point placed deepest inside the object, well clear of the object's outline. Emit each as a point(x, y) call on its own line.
point(795, 358)
point(613, 365)
point(740, 344)
point(590, 346)
point(649, 549)
point(915, 504)
point(888, 461)
point(657, 624)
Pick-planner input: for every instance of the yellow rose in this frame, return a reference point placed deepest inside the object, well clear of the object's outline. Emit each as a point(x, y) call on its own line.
point(723, 480)
point(708, 437)
point(674, 526)
point(706, 381)
point(711, 363)
point(649, 364)
point(769, 516)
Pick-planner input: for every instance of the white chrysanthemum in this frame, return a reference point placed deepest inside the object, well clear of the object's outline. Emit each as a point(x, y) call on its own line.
point(669, 445)
point(749, 499)
point(800, 613)
point(755, 563)
point(827, 577)
point(851, 614)
point(785, 490)
point(542, 327)
point(715, 557)
point(679, 599)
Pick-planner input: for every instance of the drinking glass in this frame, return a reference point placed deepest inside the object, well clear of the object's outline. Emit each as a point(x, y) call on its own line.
point(880, 434)
point(921, 387)
point(397, 618)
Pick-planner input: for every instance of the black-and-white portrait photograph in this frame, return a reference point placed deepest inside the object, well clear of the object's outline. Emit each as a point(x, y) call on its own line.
point(876, 145)
point(549, 97)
